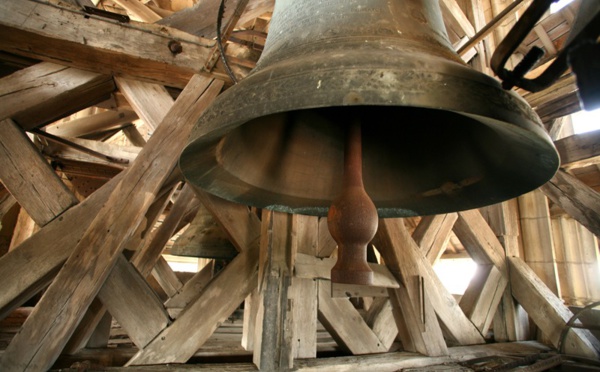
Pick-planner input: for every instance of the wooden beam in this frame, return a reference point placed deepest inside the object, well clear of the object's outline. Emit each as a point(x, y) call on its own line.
point(576, 198)
point(99, 152)
point(273, 337)
point(46, 92)
point(393, 234)
point(29, 177)
point(459, 16)
point(130, 300)
point(151, 102)
point(41, 256)
point(140, 51)
point(380, 318)
point(416, 321)
point(191, 288)
point(345, 324)
point(536, 232)
point(579, 150)
point(433, 234)
point(304, 292)
point(548, 311)
point(178, 342)
point(91, 124)
point(165, 277)
point(41, 339)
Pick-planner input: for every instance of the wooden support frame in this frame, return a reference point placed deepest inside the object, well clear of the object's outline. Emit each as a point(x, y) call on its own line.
point(393, 237)
point(93, 258)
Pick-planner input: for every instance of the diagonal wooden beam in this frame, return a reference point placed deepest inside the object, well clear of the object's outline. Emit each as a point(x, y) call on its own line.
point(46, 92)
point(345, 324)
point(91, 124)
point(548, 311)
point(179, 342)
point(29, 177)
point(458, 325)
point(141, 51)
point(433, 233)
point(41, 339)
point(576, 198)
point(414, 315)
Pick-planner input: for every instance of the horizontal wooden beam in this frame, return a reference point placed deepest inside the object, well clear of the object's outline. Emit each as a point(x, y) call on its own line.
point(91, 124)
point(579, 150)
point(36, 29)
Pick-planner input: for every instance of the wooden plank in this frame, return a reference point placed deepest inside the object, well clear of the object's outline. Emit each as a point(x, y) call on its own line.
point(126, 290)
point(548, 311)
point(250, 314)
point(113, 155)
point(103, 121)
point(304, 292)
point(24, 228)
point(29, 177)
point(41, 338)
point(178, 342)
point(273, 350)
point(406, 254)
point(46, 92)
point(433, 234)
point(579, 150)
point(326, 243)
point(345, 324)
point(36, 29)
point(536, 232)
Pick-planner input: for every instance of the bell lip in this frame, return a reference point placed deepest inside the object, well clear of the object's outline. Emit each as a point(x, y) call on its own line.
point(264, 93)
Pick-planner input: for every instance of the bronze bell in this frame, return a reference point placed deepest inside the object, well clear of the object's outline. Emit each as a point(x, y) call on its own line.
point(437, 136)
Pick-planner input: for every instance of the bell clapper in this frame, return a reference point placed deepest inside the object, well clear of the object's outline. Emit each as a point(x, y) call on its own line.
point(352, 219)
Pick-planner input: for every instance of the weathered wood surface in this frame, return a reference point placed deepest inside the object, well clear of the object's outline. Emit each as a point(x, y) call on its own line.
point(433, 233)
point(345, 324)
point(303, 292)
point(191, 288)
point(380, 318)
point(41, 256)
point(136, 50)
point(41, 338)
point(46, 92)
point(386, 362)
point(536, 234)
point(130, 300)
point(151, 102)
point(548, 311)
point(576, 198)
point(166, 277)
point(416, 321)
point(113, 155)
point(178, 342)
point(273, 336)
point(103, 121)
point(394, 233)
point(579, 150)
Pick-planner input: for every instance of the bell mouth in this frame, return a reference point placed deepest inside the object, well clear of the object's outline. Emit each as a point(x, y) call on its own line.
point(416, 161)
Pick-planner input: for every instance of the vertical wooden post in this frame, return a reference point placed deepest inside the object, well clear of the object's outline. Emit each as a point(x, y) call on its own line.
point(273, 336)
point(303, 292)
point(510, 321)
point(538, 245)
